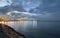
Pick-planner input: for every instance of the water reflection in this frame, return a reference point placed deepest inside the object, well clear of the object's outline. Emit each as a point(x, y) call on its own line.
point(24, 27)
point(48, 29)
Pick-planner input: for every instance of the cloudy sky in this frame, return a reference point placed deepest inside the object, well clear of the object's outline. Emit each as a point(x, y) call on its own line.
point(39, 9)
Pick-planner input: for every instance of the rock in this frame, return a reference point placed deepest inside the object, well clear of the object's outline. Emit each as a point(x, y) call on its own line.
point(8, 32)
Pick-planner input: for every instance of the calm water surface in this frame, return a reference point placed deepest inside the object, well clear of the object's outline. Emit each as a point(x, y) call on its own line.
point(37, 29)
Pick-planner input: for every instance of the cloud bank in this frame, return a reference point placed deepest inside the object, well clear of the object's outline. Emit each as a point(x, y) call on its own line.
point(40, 9)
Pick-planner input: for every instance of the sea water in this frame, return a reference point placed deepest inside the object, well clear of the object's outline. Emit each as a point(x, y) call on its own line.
point(37, 29)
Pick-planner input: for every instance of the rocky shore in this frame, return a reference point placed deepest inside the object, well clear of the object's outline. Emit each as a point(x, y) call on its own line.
point(8, 32)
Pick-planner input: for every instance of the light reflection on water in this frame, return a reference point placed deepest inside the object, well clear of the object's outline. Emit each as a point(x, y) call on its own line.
point(37, 29)
point(23, 24)
point(24, 27)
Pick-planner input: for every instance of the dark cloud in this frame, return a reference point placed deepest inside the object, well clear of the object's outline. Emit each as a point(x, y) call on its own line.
point(51, 7)
point(11, 7)
point(15, 5)
point(47, 9)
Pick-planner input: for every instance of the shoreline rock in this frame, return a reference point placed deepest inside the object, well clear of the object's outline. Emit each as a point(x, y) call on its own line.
point(10, 32)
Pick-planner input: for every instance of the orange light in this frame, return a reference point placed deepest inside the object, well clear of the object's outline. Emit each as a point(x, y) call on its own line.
point(2, 22)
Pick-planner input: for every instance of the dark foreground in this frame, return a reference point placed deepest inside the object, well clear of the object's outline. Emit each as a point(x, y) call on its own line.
point(8, 32)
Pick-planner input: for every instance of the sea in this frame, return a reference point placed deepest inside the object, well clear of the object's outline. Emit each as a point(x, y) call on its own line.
point(37, 29)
